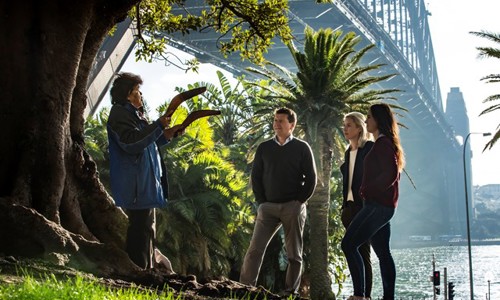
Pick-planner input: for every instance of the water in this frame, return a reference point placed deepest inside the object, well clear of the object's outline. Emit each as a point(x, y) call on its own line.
point(414, 272)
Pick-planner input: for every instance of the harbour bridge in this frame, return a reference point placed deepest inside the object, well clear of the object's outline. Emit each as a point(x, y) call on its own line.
point(432, 202)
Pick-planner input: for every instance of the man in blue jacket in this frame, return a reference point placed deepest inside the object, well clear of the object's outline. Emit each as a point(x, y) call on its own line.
point(135, 165)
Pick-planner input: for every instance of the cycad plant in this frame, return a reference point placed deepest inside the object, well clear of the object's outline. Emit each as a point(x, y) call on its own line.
point(96, 144)
point(490, 52)
point(234, 106)
point(329, 83)
point(235, 132)
point(205, 226)
point(230, 128)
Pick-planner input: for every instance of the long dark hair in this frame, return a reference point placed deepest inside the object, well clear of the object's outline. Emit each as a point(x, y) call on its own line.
point(122, 86)
point(388, 126)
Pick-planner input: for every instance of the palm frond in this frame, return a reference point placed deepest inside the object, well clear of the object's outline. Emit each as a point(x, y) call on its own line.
point(490, 109)
point(492, 98)
point(492, 36)
point(492, 78)
point(487, 52)
point(493, 140)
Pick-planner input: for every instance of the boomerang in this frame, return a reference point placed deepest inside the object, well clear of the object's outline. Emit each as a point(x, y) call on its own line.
point(195, 115)
point(178, 99)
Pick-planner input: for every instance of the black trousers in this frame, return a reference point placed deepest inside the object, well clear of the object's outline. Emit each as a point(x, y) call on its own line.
point(140, 236)
point(349, 211)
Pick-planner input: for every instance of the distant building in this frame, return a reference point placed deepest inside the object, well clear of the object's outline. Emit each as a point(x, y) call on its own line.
point(489, 191)
point(456, 112)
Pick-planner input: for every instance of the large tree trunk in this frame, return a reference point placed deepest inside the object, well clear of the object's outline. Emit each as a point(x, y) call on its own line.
point(319, 206)
point(50, 197)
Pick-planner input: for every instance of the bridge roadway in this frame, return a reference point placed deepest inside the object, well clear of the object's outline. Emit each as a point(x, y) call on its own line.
point(400, 31)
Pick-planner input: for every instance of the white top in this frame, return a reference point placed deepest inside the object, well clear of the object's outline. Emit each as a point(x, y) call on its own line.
point(352, 161)
point(288, 139)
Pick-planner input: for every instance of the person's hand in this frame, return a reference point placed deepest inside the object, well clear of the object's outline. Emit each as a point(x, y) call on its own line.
point(172, 132)
point(179, 132)
point(165, 121)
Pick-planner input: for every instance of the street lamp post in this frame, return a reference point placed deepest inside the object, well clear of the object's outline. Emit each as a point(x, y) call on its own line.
point(489, 278)
point(471, 280)
point(489, 293)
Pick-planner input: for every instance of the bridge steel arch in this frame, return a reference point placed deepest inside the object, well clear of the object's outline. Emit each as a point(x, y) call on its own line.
point(400, 31)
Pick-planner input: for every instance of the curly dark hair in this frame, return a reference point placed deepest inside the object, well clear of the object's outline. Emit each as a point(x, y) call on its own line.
point(123, 84)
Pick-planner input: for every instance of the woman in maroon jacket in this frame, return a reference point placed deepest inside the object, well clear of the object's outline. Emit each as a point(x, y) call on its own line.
point(380, 191)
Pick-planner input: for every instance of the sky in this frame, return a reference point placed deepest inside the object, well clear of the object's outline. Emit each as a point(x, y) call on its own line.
point(457, 64)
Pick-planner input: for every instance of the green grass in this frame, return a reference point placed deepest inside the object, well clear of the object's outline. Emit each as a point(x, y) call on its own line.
point(76, 288)
point(79, 287)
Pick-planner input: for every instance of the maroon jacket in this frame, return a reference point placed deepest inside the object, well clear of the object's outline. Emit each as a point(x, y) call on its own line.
point(380, 174)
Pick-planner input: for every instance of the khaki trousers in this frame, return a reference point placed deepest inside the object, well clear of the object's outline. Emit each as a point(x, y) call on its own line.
point(270, 217)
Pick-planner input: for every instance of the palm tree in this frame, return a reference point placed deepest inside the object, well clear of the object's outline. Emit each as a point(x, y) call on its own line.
point(329, 83)
point(490, 52)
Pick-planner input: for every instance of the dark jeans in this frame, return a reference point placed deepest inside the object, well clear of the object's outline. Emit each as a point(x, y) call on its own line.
point(349, 211)
point(140, 236)
point(371, 223)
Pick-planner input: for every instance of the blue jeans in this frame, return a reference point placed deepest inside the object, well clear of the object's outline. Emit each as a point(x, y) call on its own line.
point(371, 224)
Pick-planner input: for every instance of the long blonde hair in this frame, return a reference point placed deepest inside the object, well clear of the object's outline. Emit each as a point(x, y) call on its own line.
point(359, 120)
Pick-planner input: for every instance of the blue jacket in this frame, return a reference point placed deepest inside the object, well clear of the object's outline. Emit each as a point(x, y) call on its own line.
point(135, 167)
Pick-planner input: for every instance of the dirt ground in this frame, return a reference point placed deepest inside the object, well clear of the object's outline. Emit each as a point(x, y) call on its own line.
point(12, 270)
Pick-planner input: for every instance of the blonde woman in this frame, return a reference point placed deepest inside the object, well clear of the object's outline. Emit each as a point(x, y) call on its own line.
point(360, 144)
point(380, 192)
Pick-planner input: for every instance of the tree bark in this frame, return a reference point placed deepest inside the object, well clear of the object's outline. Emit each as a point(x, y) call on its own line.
point(50, 196)
point(319, 206)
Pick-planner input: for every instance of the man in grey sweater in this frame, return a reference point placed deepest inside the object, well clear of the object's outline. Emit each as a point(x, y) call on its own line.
point(283, 179)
